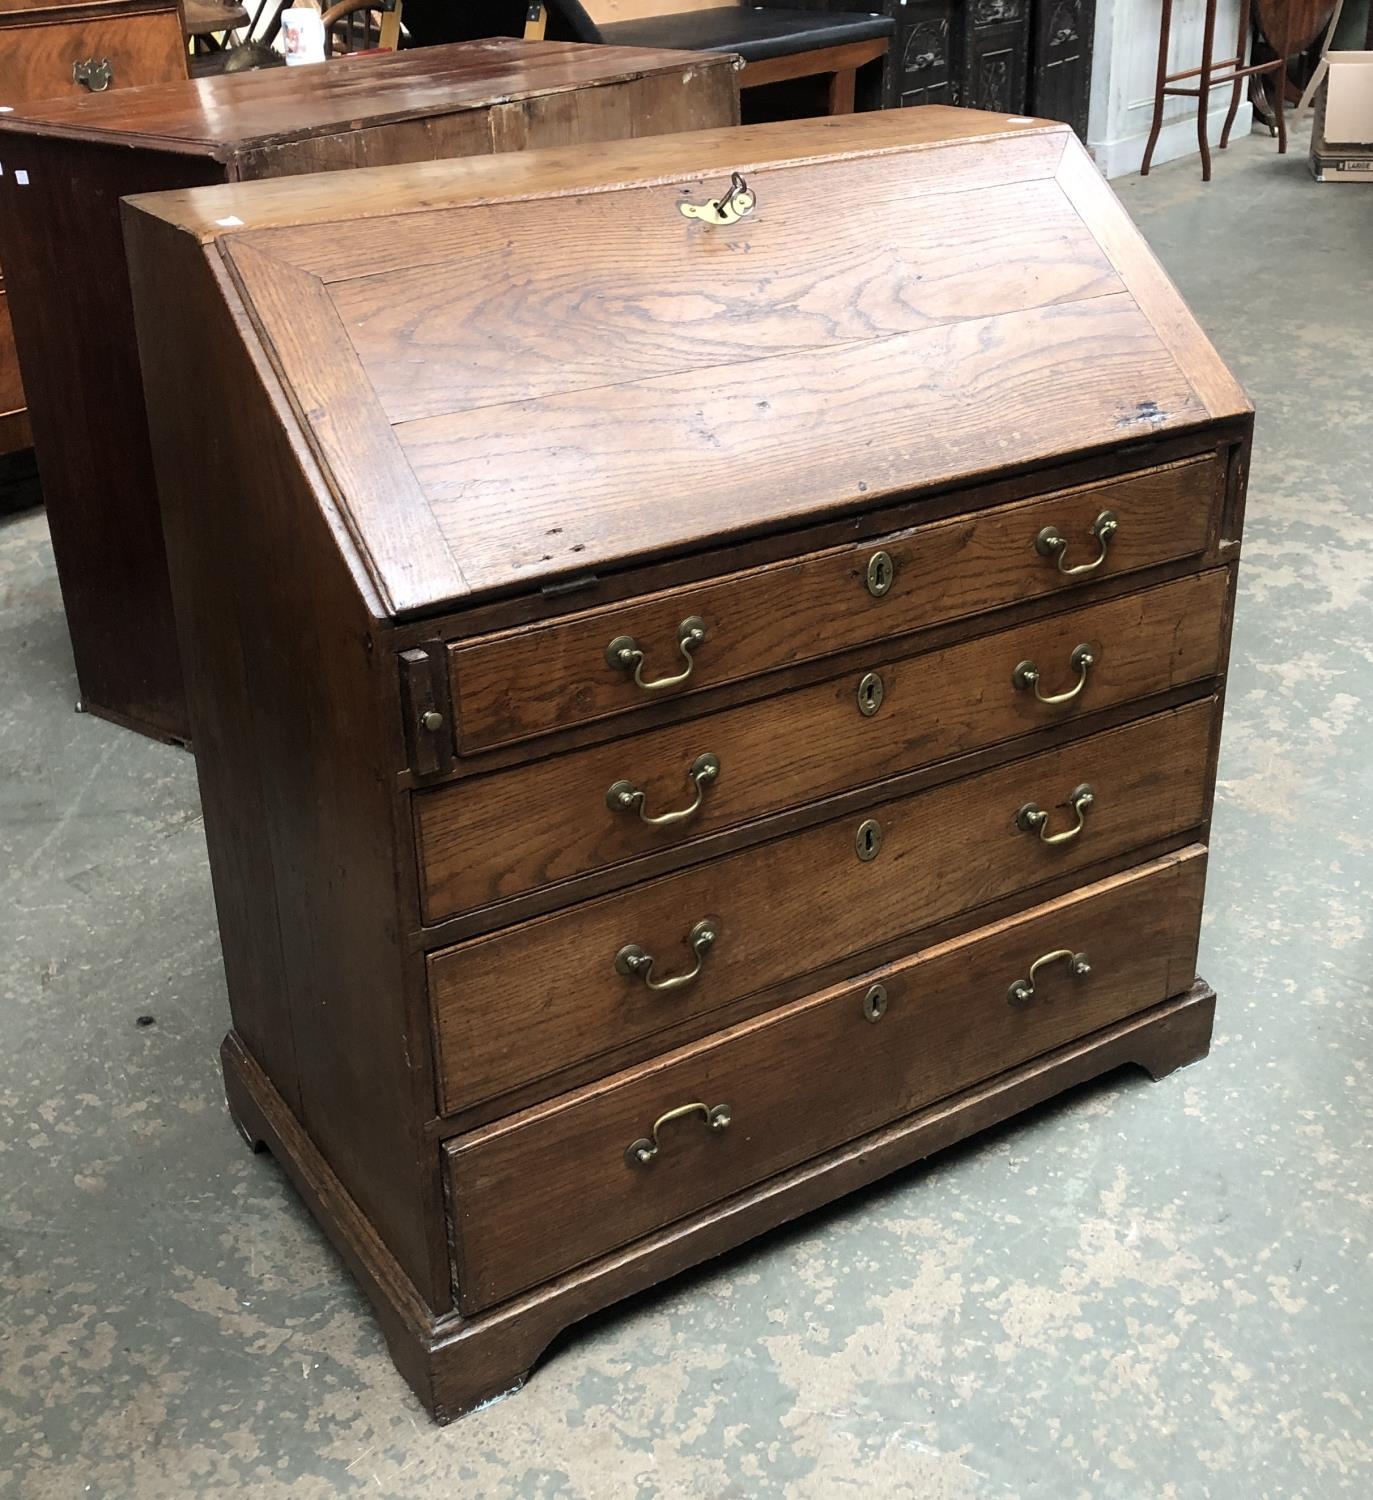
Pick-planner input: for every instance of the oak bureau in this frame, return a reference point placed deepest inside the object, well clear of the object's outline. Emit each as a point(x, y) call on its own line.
point(706, 668)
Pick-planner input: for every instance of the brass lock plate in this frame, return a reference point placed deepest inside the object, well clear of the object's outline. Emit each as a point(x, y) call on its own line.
point(867, 842)
point(871, 691)
point(881, 574)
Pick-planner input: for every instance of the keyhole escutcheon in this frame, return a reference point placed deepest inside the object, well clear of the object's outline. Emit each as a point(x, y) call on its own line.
point(867, 842)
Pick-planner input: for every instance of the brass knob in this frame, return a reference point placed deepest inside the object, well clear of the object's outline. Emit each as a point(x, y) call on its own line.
point(432, 721)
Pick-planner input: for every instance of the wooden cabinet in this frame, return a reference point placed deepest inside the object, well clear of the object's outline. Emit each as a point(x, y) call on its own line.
point(691, 716)
point(51, 50)
point(60, 238)
point(1018, 56)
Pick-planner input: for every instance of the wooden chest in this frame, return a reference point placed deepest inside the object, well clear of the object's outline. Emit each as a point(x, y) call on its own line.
point(60, 240)
point(51, 49)
point(692, 714)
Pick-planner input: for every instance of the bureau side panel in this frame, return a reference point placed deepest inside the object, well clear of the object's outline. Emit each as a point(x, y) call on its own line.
point(64, 266)
point(292, 751)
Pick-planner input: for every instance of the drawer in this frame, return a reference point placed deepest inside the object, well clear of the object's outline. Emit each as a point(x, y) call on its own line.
point(36, 61)
point(517, 684)
point(777, 1091)
point(783, 909)
point(11, 387)
point(485, 840)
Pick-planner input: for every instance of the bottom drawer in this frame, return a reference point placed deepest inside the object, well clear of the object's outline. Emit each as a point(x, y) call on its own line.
point(557, 1185)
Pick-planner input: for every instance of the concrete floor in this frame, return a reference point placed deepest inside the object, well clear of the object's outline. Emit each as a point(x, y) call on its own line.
point(1157, 1291)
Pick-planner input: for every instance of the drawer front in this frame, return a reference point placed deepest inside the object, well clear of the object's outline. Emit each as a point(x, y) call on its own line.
point(11, 388)
point(522, 683)
point(811, 1077)
point(514, 831)
point(36, 61)
point(786, 908)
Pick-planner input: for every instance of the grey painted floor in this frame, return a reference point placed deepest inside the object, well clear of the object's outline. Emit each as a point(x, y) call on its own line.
point(1156, 1291)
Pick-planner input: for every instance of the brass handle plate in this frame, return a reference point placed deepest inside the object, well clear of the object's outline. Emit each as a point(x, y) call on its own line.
point(867, 841)
point(880, 575)
point(1053, 544)
point(644, 1151)
point(1022, 992)
point(625, 654)
point(735, 204)
point(95, 73)
point(1026, 676)
point(624, 796)
point(871, 691)
point(1033, 819)
point(635, 962)
point(875, 1003)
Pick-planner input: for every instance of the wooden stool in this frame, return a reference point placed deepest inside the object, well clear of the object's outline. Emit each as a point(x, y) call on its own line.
point(1205, 75)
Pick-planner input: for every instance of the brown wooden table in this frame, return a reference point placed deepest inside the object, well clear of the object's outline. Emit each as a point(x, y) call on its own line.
point(64, 255)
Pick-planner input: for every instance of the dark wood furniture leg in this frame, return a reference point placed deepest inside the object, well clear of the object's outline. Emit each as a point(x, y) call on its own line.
point(841, 64)
point(1165, 30)
point(1237, 87)
point(1208, 49)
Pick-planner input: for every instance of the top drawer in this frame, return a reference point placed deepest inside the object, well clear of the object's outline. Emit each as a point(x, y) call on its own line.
point(521, 683)
point(114, 51)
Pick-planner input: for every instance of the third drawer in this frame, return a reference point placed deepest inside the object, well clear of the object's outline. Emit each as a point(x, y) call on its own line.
point(610, 973)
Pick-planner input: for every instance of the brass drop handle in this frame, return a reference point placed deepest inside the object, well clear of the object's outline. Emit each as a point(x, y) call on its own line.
point(644, 1151)
point(1052, 543)
point(634, 963)
point(1026, 676)
point(624, 796)
point(625, 654)
point(97, 74)
point(1033, 819)
point(1023, 990)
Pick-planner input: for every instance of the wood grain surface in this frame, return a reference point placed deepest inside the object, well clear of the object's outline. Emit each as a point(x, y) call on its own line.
point(229, 113)
point(641, 295)
point(986, 149)
point(809, 1077)
point(514, 684)
point(517, 830)
point(798, 903)
point(529, 491)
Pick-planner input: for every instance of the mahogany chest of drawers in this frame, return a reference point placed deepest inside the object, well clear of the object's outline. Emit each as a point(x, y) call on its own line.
point(706, 668)
point(71, 49)
point(60, 238)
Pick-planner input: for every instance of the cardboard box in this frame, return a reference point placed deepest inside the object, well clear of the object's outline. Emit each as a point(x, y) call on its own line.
point(1342, 139)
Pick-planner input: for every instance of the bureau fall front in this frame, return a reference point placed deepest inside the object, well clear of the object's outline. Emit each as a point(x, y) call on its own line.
point(705, 662)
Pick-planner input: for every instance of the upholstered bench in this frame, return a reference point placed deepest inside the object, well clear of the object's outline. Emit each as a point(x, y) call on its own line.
point(776, 44)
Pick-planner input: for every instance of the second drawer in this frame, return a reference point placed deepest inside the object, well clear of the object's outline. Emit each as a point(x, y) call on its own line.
point(555, 1186)
point(533, 999)
point(484, 841)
